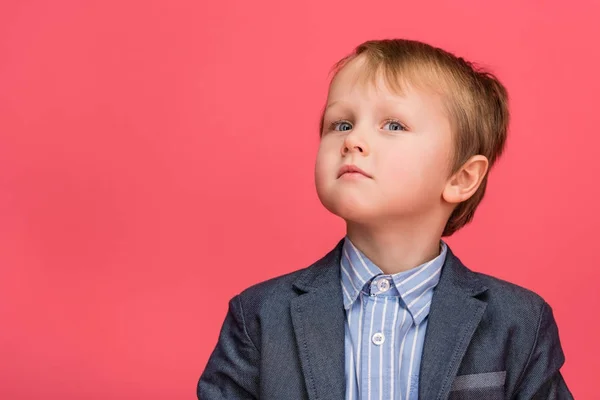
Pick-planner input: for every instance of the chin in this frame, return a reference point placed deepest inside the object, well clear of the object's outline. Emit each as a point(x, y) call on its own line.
point(351, 211)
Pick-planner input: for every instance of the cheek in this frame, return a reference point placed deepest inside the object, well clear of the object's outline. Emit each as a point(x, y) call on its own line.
point(416, 169)
point(325, 157)
point(322, 166)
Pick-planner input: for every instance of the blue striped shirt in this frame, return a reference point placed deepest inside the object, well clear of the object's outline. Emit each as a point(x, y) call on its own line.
point(386, 320)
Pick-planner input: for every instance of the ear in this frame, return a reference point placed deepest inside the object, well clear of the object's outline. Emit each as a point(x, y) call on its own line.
point(465, 182)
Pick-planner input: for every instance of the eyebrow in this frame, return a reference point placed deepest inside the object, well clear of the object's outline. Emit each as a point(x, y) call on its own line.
point(331, 104)
point(393, 102)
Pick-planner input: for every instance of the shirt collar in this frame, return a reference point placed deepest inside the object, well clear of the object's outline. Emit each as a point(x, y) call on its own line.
point(413, 285)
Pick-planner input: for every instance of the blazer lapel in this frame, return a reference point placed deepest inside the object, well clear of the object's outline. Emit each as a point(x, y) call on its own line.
point(453, 317)
point(318, 317)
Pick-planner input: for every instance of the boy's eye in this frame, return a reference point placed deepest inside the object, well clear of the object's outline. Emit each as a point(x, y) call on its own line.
point(346, 126)
point(395, 126)
point(343, 125)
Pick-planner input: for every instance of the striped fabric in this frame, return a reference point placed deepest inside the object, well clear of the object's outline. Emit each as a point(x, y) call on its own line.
point(386, 319)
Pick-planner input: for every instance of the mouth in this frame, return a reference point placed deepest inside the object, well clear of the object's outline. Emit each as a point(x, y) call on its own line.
point(352, 171)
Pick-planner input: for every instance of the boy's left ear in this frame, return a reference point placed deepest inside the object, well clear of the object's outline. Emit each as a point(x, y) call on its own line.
point(465, 182)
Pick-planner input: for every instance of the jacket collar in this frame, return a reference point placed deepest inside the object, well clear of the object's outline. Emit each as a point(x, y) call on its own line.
point(318, 318)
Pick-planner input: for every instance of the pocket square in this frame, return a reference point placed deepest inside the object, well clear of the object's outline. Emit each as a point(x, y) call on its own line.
point(476, 381)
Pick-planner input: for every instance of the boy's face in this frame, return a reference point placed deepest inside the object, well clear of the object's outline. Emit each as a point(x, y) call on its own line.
point(403, 142)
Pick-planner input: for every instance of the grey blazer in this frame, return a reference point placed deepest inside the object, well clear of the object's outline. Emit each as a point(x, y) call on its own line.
point(283, 339)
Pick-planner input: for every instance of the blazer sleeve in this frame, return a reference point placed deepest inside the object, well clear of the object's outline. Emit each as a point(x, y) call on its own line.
point(232, 369)
point(541, 379)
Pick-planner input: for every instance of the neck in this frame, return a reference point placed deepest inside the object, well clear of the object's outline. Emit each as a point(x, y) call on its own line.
point(395, 247)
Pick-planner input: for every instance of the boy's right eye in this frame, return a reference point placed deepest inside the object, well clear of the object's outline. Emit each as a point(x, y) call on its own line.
point(343, 125)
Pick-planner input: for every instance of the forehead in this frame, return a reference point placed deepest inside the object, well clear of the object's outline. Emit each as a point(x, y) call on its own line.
point(360, 80)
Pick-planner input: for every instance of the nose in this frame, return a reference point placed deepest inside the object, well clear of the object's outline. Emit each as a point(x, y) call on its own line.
point(353, 143)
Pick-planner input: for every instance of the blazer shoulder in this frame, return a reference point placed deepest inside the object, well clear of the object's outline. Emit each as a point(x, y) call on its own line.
point(277, 291)
point(511, 297)
point(267, 302)
point(280, 284)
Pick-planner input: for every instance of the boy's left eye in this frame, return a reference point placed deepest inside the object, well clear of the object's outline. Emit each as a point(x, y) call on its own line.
point(395, 126)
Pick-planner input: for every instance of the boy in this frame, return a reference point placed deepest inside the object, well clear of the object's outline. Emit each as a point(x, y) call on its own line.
point(408, 135)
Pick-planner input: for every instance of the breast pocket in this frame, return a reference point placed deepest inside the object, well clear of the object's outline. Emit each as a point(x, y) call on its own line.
point(487, 385)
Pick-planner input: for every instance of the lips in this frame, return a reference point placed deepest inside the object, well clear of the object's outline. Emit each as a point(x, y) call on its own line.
point(350, 168)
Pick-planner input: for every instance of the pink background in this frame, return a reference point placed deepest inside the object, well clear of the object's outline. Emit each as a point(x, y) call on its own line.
point(156, 158)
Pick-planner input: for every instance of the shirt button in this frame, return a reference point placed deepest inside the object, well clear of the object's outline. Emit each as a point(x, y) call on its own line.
point(378, 338)
point(383, 285)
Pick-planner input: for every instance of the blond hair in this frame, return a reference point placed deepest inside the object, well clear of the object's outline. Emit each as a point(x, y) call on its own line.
point(475, 100)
